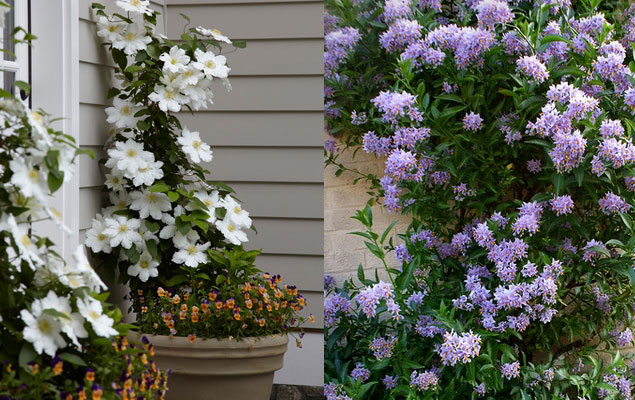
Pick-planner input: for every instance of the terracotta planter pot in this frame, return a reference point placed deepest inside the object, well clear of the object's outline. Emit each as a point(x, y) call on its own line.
point(219, 369)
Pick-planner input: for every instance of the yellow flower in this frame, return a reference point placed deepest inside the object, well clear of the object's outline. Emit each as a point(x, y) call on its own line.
point(191, 338)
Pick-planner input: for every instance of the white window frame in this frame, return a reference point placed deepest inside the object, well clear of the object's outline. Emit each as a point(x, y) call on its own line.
point(20, 67)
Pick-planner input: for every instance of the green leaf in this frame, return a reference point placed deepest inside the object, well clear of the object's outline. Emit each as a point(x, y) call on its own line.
point(73, 359)
point(27, 354)
point(153, 51)
point(152, 226)
point(112, 92)
point(182, 226)
point(55, 180)
point(57, 314)
point(177, 280)
point(23, 85)
point(159, 187)
point(120, 58)
point(173, 196)
point(241, 44)
point(153, 249)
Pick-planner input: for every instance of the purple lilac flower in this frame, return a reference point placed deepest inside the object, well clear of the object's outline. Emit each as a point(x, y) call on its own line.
point(513, 44)
point(399, 34)
point(421, 54)
point(505, 255)
point(374, 144)
point(395, 9)
point(492, 12)
point(334, 392)
point(630, 183)
point(612, 203)
point(624, 338)
point(334, 304)
point(330, 22)
point(557, 50)
point(548, 375)
point(602, 300)
point(579, 43)
point(428, 327)
point(597, 166)
point(416, 299)
point(553, 270)
point(424, 380)
point(472, 122)
point(426, 235)
point(562, 205)
point(402, 254)
point(382, 348)
point(567, 245)
point(532, 67)
point(358, 119)
point(557, 4)
point(370, 297)
point(338, 43)
point(621, 384)
point(591, 255)
point(462, 303)
point(609, 65)
point(511, 135)
point(394, 105)
point(629, 98)
point(359, 373)
point(401, 165)
point(528, 219)
point(330, 145)
point(610, 128)
point(529, 270)
point(460, 242)
point(472, 44)
point(590, 25)
point(616, 151)
point(581, 105)
point(568, 151)
point(449, 88)
point(459, 348)
point(409, 137)
point(534, 166)
point(510, 297)
point(330, 111)
point(439, 177)
point(511, 370)
point(480, 389)
point(461, 192)
point(390, 382)
point(391, 194)
point(484, 236)
point(329, 282)
point(431, 5)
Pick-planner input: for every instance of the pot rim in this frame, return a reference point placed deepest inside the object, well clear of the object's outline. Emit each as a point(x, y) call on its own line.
point(250, 342)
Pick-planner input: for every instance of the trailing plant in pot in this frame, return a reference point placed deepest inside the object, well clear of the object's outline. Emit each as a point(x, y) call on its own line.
point(173, 236)
point(506, 131)
point(59, 339)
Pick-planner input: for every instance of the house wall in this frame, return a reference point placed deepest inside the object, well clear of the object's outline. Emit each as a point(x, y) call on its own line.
point(343, 253)
point(264, 134)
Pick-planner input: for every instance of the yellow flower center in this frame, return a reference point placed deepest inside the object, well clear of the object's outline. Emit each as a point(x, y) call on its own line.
point(101, 237)
point(26, 241)
point(123, 228)
point(169, 94)
point(231, 227)
point(131, 153)
point(216, 31)
point(151, 197)
point(34, 175)
point(208, 203)
point(94, 315)
point(144, 264)
point(173, 61)
point(130, 36)
point(135, 3)
point(125, 110)
point(237, 209)
point(37, 117)
point(111, 28)
point(191, 250)
point(196, 144)
point(45, 326)
point(210, 64)
point(122, 204)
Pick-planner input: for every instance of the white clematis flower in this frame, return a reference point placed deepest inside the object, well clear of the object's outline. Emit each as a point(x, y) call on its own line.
point(211, 200)
point(211, 64)
point(215, 33)
point(231, 232)
point(122, 114)
point(114, 181)
point(110, 30)
point(122, 231)
point(128, 157)
point(150, 204)
point(119, 200)
point(135, 6)
point(190, 76)
point(168, 98)
point(132, 40)
point(87, 274)
point(175, 61)
point(145, 268)
point(194, 147)
point(73, 324)
point(239, 216)
point(192, 254)
point(28, 179)
point(92, 310)
point(28, 251)
point(42, 330)
point(148, 174)
point(96, 239)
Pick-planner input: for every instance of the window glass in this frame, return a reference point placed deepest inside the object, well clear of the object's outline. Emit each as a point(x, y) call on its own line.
point(9, 26)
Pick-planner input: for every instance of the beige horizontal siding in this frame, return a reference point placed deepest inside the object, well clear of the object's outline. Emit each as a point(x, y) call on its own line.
point(86, 13)
point(92, 125)
point(252, 20)
point(90, 199)
point(295, 200)
point(279, 129)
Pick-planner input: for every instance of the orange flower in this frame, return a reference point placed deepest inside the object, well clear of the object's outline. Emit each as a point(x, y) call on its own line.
point(183, 307)
point(81, 395)
point(284, 304)
point(142, 300)
point(246, 296)
point(219, 305)
point(144, 309)
point(191, 338)
point(194, 318)
point(90, 375)
point(34, 368)
point(261, 322)
point(276, 305)
point(171, 324)
point(124, 343)
point(230, 303)
point(140, 292)
point(266, 276)
point(204, 307)
point(249, 304)
point(312, 318)
point(237, 314)
point(186, 296)
point(194, 310)
point(269, 308)
point(176, 299)
point(212, 295)
point(58, 368)
point(144, 358)
point(166, 317)
point(182, 315)
point(160, 292)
